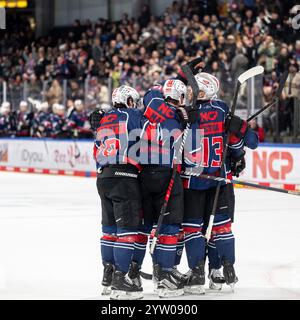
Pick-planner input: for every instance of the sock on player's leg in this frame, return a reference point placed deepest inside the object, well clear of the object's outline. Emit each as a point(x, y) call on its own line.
point(179, 247)
point(107, 241)
point(124, 248)
point(223, 238)
point(194, 242)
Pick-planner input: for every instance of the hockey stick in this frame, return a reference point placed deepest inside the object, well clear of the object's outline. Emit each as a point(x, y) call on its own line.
point(169, 189)
point(146, 276)
point(245, 183)
point(275, 100)
point(241, 79)
point(190, 77)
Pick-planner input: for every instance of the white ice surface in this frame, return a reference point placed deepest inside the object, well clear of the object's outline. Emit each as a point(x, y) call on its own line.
point(50, 229)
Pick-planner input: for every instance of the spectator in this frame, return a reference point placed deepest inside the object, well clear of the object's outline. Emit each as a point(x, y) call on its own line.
point(231, 37)
point(55, 93)
point(259, 130)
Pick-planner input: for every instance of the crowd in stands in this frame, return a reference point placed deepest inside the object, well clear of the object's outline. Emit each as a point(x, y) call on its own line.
point(37, 120)
point(231, 36)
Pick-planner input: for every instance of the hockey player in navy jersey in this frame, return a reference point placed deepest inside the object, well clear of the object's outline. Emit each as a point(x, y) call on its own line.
point(78, 122)
point(41, 123)
point(7, 121)
point(213, 120)
point(59, 128)
point(23, 120)
point(166, 118)
point(119, 190)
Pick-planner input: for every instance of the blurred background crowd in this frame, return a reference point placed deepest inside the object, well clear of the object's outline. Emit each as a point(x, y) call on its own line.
point(53, 83)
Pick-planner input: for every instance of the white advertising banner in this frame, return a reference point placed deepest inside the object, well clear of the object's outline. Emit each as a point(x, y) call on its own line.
point(47, 154)
point(270, 163)
point(273, 163)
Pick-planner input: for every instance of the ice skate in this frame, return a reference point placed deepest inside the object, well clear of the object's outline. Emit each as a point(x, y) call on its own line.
point(123, 288)
point(229, 274)
point(168, 284)
point(196, 280)
point(216, 279)
point(134, 274)
point(180, 276)
point(107, 278)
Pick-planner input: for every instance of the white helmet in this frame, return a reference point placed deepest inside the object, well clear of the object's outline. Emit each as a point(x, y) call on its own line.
point(77, 102)
point(58, 107)
point(5, 107)
point(24, 104)
point(209, 84)
point(174, 89)
point(121, 95)
point(105, 106)
point(44, 106)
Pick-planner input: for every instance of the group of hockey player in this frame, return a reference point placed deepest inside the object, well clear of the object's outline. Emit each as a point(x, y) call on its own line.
point(135, 153)
point(40, 120)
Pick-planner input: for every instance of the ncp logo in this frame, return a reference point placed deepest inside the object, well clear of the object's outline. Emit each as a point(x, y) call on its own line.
point(295, 19)
point(276, 165)
point(2, 18)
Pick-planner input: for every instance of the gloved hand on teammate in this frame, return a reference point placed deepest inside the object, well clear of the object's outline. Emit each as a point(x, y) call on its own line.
point(236, 125)
point(196, 65)
point(237, 164)
point(187, 115)
point(95, 118)
point(193, 114)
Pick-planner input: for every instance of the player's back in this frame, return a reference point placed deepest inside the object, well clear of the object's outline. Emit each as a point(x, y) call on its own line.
point(162, 128)
point(115, 136)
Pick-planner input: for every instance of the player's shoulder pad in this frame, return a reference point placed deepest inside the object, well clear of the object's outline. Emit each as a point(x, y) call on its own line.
point(220, 104)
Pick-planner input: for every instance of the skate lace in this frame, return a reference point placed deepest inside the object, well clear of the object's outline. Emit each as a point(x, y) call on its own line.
point(128, 280)
point(177, 273)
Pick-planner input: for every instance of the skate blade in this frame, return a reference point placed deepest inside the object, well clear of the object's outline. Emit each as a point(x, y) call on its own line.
point(197, 289)
point(106, 291)
point(123, 295)
point(164, 293)
point(215, 286)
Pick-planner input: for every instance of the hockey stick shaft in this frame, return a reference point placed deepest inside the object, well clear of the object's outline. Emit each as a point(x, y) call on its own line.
point(225, 148)
point(277, 97)
point(262, 110)
point(241, 79)
point(246, 183)
point(169, 190)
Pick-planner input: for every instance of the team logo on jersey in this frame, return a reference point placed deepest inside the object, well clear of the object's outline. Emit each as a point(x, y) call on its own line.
point(109, 118)
point(209, 116)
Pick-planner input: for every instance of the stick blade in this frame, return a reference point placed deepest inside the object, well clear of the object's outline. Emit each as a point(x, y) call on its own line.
point(250, 73)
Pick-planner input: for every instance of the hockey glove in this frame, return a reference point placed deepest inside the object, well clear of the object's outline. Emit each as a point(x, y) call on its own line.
point(95, 118)
point(236, 125)
point(196, 65)
point(237, 164)
point(193, 114)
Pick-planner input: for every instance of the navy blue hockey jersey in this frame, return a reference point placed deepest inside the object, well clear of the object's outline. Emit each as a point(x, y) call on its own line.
point(116, 137)
point(204, 148)
point(162, 129)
